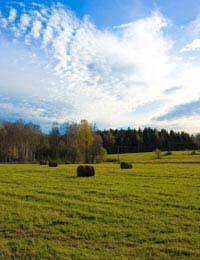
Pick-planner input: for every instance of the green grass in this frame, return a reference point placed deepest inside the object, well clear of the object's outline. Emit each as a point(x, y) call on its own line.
point(176, 157)
point(149, 212)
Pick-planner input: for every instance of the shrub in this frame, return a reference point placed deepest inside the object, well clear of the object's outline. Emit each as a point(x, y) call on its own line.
point(102, 155)
point(53, 164)
point(85, 171)
point(168, 153)
point(67, 162)
point(112, 160)
point(193, 152)
point(125, 165)
point(158, 154)
point(42, 162)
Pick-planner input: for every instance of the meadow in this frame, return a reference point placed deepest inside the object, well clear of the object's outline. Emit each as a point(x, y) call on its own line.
point(149, 212)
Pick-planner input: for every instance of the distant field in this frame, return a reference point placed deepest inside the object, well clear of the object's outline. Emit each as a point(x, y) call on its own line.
point(176, 157)
point(149, 212)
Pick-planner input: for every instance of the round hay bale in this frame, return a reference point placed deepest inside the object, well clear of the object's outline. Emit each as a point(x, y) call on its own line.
point(42, 162)
point(125, 165)
point(85, 171)
point(53, 164)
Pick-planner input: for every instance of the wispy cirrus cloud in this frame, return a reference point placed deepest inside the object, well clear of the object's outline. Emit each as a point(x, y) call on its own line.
point(172, 89)
point(193, 46)
point(106, 76)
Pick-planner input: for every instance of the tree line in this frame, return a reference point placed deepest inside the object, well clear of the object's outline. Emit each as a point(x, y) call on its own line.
point(146, 140)
point(70, 143)
point(82, 142)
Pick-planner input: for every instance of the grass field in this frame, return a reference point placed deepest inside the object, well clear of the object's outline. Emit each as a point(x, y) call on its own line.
point(149, 212)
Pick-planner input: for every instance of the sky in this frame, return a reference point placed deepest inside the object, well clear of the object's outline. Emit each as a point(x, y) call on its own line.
point(119, 63)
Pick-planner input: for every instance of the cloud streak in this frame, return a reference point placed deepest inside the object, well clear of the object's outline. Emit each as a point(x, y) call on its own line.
point(184, 110)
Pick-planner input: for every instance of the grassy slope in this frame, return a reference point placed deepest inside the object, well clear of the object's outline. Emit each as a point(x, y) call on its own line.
point(176, 157)
point(149, 212)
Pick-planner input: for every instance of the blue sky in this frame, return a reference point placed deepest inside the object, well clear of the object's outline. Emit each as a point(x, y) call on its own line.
point(116, 63)
point(106, 13)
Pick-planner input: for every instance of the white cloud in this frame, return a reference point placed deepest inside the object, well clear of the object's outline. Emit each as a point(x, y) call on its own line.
point(12, 15)
point(101, 75)
point(36, 29)
point(193, 46)
point(24, 22)
point(47, 35)
point(3, 22)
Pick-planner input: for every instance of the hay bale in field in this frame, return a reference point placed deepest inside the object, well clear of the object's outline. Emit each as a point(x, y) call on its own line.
point(42, 162)
point(53, 164)
point(85, 171)
point(125, 165)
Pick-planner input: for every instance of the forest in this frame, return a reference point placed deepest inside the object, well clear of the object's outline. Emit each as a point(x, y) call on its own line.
point(82, 142)
point(147, 140)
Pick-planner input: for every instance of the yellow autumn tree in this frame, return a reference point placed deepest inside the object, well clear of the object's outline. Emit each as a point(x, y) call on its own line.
point(85, 140)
